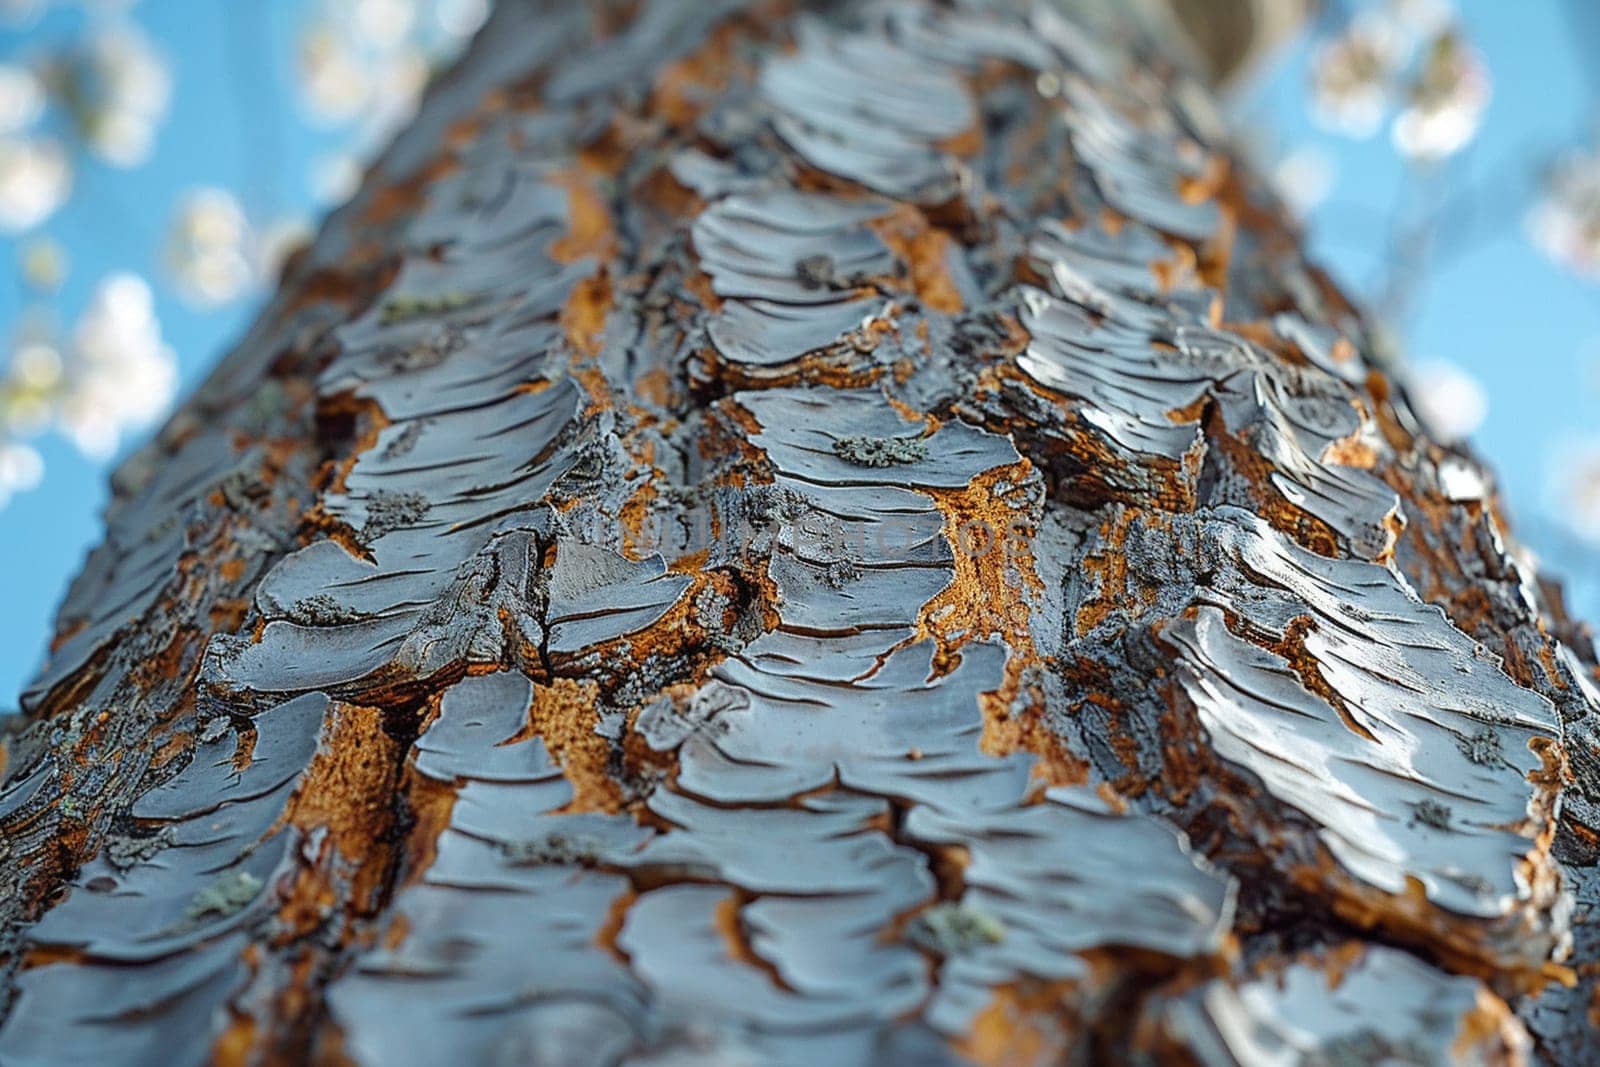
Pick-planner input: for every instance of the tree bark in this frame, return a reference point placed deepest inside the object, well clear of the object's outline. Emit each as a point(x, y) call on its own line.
point(849, 535)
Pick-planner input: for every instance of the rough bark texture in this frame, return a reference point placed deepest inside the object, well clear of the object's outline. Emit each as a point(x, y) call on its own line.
point(776, 536)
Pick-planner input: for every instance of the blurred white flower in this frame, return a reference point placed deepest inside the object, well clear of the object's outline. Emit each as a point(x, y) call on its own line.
point(1303, 178)
point(334, 178)
point(29, 388)
point(277, 242)
point(20, 469)
point(365, 63)
point(207, 247)
point(383, 23)
point(460, 18)
point(399, 79)
point(121, 375)
point(1421, 19)
point(22, 98)
point(335, 79)
point(29, 395)
point(1575, 486)
point(43, 264)
point(1565, 223)
point(36, 366)
point(1445, 103)
point(35, 177)
point(1352, 76)
point(117, 87)
point(1451, 402)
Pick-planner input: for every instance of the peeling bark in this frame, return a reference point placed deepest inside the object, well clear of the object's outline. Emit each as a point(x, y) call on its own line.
point(839, 536)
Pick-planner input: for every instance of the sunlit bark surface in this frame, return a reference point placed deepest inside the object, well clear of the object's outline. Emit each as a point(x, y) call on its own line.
point(803, 537)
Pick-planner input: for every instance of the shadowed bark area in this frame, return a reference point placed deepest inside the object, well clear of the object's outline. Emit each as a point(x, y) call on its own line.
point(764, 534)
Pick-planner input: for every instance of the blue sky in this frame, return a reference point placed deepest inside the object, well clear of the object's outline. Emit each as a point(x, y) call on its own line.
point(1490, 303)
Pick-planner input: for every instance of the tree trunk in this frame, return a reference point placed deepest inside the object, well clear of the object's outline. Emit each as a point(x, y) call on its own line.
point(767, 537)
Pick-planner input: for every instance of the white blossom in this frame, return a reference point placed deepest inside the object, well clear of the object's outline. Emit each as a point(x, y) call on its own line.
point(207, 247)
point(1575, 482)
point(1303, 178)
point(43, 264)
point(36, 366)
point(1352, 76)
point(29, 389)
point(384, 24)
point(121, 375)
point(35, 176)
point(335, 78)
point(118, 87)
point(335, 177)
point(1420, 19)
point(22, 98)
point(1451, 401)
point(460, 18)
point(1565, 223)
point(277, 242)
point(21, 468)
point(366, 63)
point(1446, 101)
point(400, 77)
